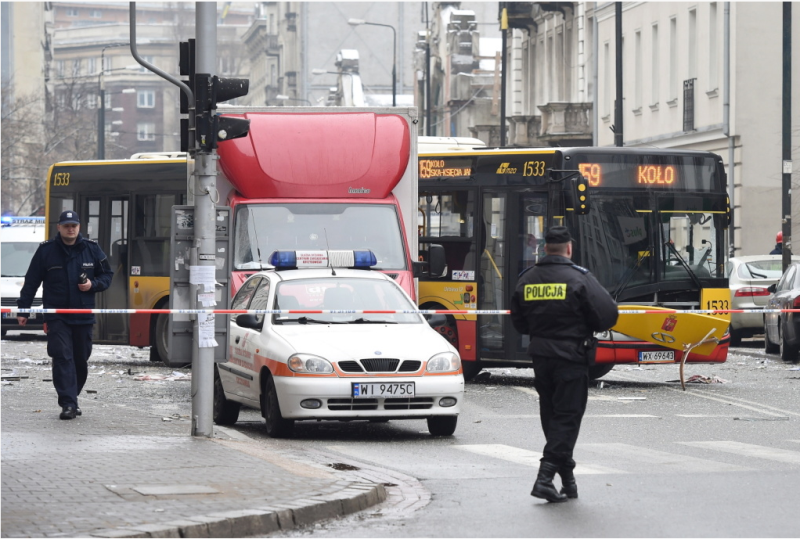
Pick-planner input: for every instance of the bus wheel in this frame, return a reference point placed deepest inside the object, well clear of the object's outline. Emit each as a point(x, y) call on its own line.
point(599, 370)
point(159, 339)
point(448, 330)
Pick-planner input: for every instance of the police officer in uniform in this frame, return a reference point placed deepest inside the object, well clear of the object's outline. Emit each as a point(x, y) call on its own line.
point(560, 305)
point(73, 269)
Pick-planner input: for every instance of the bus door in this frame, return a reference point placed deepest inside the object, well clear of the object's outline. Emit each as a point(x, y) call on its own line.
point(513, 240)
point(106, 222)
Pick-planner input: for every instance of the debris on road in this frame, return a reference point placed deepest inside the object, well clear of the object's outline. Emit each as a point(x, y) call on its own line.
point(632, 398)
point(179, 376)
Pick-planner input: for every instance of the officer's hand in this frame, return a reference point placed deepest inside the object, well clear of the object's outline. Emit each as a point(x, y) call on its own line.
point(22, 320)
point(85, 287)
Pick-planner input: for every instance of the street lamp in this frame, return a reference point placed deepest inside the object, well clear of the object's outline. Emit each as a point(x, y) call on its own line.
point(359, 22)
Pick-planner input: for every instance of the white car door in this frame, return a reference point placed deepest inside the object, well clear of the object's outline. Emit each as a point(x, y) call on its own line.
point(254, 341)
point(237, 373)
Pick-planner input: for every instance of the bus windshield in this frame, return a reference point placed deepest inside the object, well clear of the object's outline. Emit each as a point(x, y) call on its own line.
point(648, 239)
point(264, 228)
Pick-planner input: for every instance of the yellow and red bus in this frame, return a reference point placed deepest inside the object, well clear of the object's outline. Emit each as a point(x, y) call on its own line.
point(655, 235)
point(126, 206)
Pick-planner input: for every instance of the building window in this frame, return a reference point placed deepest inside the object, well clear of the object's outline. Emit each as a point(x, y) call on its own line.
point(91, 66)
point(688, 105)
point(76, 68)
point(96, 14)
point(692, 43)
point(72, 12)
point(145, 99)
point(106, 63)
point(655, 65)
point(673, 59)
point(607, 102)
point(145, 131)
point(91, 101)
point(713, 72)
point(60, 69)
point(61, 100)
point(107, 101)
point(637, 73)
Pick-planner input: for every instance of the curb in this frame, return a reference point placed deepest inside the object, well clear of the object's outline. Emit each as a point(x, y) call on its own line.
point(261, 520)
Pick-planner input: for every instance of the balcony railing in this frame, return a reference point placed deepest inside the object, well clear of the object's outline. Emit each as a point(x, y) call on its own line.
point(562, 120)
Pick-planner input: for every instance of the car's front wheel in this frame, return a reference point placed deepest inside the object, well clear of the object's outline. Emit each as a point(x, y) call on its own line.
point(788, 351)
point(769, 346)
point(277, 426)
point(442, 425)
point(225, 412)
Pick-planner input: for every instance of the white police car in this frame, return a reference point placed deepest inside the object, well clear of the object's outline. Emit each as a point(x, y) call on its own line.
point(336, 366)
point(20, 238)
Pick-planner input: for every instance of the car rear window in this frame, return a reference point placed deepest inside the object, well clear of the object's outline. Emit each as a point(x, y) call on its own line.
point(761, 269)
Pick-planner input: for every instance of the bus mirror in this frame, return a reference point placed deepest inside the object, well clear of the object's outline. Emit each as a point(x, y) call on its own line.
point(436, 260)
point(580, 195)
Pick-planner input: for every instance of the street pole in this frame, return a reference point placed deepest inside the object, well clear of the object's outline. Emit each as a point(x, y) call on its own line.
point(101, 119)
point(204, 229)
point(618, 102)
point(503, 63)
point(787, 135)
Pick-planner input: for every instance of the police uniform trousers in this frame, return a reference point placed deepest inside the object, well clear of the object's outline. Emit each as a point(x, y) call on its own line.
point(70, 346)
point(563, 388)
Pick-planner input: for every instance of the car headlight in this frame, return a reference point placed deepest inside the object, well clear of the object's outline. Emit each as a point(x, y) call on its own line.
point(444, 362)
point(309, 364)
point(603, 335)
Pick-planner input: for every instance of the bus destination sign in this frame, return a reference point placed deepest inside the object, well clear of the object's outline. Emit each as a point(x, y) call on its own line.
point(444, 167)
point(638, 176)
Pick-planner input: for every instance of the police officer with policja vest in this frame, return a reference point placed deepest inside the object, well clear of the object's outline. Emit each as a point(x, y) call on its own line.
point(72, 269)
point(560, 305)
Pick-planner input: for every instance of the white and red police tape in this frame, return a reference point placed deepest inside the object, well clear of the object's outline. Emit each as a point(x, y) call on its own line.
point(13, 310)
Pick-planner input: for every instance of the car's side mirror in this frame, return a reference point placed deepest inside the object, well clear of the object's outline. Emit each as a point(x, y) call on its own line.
point(249, 321)
point(772, 288)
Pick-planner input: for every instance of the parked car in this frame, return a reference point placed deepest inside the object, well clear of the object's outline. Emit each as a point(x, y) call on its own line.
point(781, 329)
point(749, 278)
point(340, 366)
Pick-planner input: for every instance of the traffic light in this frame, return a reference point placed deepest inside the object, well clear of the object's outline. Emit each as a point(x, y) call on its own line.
point(186, 63)
point(580, 195)
point(212, 128)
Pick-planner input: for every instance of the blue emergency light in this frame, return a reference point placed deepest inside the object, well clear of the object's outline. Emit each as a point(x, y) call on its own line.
point(8, 220)
point(322, 259)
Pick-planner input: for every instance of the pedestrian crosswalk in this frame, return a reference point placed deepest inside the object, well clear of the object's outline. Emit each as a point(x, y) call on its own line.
point(610, 458)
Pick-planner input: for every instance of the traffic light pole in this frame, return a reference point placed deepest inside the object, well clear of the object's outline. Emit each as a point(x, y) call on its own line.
point(205, 191)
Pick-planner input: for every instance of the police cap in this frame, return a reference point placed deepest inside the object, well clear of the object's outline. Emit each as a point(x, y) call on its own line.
point(557, 234)
point(69, 217)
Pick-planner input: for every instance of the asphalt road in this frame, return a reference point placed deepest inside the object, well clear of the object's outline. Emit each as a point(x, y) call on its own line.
point(717, 460)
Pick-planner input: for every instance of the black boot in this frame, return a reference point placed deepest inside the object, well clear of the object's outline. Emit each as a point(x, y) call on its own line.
point(568, 485)
point(544, 488)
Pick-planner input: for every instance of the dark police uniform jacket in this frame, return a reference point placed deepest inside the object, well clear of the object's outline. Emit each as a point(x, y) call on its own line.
point(560, 305)
point(59, 267)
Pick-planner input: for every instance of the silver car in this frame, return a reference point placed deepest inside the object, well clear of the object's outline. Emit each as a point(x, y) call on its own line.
point(748, 278)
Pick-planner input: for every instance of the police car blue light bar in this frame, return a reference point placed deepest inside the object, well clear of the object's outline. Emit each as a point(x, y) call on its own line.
point(8, 220)
point(322, 259)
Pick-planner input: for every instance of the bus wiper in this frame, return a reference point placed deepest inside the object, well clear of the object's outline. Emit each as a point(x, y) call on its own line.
point(631, 272)
point(365, 321)
point(686, 266)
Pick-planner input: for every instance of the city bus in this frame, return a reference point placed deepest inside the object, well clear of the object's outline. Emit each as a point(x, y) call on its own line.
point(654, 233)
point(126, 207)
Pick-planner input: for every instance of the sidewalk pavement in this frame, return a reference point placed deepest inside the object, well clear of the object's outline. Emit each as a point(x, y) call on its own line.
point(120, 472)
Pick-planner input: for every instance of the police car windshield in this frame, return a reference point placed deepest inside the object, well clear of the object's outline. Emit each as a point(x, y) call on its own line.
point(343, 294)
point(16, 257)
point(264, 228)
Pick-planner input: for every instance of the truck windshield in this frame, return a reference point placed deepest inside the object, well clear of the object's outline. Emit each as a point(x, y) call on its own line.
point(264, 228)
point(16, 257)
